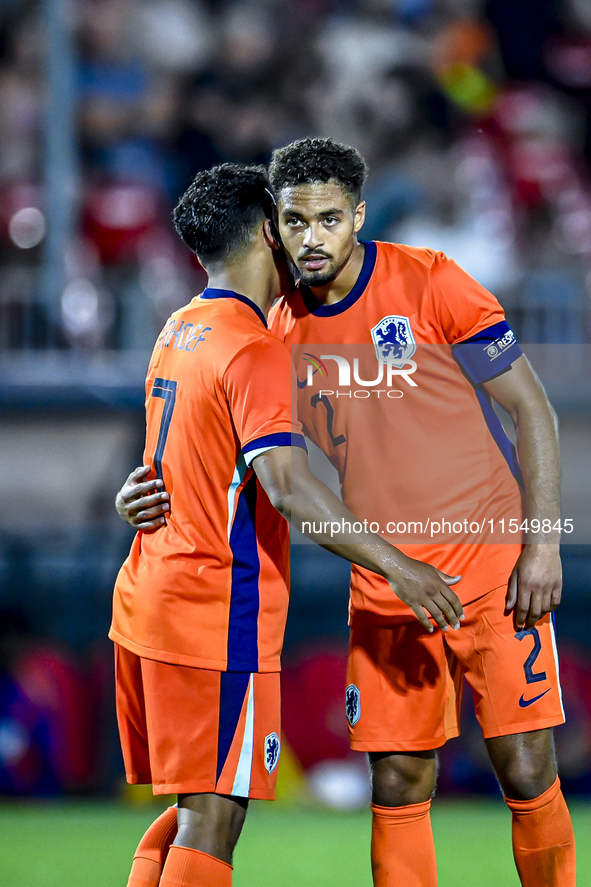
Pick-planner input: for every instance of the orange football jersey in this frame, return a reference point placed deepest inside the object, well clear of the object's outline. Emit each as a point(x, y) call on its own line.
point(210, 588)
point(390, 387)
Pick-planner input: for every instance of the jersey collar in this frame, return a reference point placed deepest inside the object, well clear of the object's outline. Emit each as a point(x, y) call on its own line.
point(369, 261)
point(212, 293)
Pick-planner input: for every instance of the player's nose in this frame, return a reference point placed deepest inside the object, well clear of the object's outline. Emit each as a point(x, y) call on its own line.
point(313, 237)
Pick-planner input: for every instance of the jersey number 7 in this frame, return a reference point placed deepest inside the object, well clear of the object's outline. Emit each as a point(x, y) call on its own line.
point(166, 389)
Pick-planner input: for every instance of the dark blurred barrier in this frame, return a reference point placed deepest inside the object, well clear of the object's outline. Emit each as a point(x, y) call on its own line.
point(55, 712)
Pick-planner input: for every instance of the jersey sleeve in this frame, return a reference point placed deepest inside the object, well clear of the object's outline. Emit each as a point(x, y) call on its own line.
point(259, 393)
point(472, 321)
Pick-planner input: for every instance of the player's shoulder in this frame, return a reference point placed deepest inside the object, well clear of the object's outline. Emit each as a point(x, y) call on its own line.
point(184, 316)
point(434, 268)
point(234, 319)
point(220, 328)
point(261, 342)
point(258, 343)
point(196, 304)
point(411, 265)
point(403, 251)
point(417, 256)
point(259, 361)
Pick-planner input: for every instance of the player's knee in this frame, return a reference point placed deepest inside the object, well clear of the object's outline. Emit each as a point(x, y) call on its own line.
point(524, 777)
point(525, 764)
point(523, 783)
point(402, 779)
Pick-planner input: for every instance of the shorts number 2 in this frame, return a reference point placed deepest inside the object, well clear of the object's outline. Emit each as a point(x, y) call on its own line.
point(528, 666)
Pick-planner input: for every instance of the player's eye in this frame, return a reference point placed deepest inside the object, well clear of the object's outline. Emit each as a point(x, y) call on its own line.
point(330, 221)
point(293, 222)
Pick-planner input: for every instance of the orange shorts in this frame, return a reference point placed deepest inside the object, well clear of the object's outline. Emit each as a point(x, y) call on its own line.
point(190, 730)
point(405, 685)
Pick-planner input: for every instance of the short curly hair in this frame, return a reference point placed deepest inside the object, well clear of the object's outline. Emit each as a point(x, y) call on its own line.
point(318, 160)
point(221, 207)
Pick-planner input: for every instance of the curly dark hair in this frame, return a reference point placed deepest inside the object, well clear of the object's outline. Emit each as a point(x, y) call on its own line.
point(318, 160)
point(219, 210)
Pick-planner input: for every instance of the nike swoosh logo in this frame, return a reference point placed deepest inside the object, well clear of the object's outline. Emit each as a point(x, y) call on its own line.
point(525, 702)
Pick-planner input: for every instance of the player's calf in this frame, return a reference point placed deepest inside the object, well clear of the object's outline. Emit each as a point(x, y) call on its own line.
point(542, 832)
point(543, 840)
point(209, 826)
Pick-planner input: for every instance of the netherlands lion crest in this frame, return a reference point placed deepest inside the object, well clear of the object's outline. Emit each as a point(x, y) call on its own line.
point(393, 340)
point(352, 704)
point(272, 751)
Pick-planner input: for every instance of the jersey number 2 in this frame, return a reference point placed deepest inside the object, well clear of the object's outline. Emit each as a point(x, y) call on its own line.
point(166, 389)
point(322, 398)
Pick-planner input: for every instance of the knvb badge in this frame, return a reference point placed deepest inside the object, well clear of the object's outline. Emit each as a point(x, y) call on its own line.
point(352, 704)
point(272, 751)
point(393, 340)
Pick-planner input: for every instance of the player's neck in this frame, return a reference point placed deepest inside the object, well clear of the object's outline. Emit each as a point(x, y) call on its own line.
point(257, 281)
point(337, 289)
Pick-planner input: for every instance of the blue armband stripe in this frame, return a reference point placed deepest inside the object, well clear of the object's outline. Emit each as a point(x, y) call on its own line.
point(270, 441)
point(487, 353)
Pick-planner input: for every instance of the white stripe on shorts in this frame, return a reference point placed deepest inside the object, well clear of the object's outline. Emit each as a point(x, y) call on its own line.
point(553, 636)
point(241, 785)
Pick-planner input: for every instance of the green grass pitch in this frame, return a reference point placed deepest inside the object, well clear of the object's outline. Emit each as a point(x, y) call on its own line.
point(68, 844)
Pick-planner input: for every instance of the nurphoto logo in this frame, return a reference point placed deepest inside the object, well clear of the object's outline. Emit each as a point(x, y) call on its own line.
point(407, 368)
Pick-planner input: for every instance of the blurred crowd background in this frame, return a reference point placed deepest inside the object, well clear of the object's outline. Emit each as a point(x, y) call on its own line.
point(475, 119)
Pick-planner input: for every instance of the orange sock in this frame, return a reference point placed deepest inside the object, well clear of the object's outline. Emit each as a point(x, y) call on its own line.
point(152, 851)
point(402, 848)
point(186, 867)
point(543, 840)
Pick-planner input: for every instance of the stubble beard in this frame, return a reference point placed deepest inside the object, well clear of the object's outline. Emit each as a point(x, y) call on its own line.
point(319, 278)
point(327, 275)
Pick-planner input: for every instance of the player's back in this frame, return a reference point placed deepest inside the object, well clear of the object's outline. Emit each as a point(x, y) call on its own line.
point(209, 589)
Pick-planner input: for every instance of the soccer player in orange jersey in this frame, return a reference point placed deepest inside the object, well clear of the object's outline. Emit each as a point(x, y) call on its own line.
point(431, 447)
point(199, 607)
point(415, 308)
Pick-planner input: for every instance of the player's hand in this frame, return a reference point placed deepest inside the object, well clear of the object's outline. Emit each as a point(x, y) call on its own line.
point(535, 586)
point(143, 505)
point(425, 588)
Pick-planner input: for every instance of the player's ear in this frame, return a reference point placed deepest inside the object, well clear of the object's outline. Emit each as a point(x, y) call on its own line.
point(271, 234)
point(359, 216)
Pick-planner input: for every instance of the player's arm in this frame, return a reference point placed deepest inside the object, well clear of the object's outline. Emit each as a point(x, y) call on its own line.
point(142, 504)
point(300, 497)
point(535, 586)
point(303, 499)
